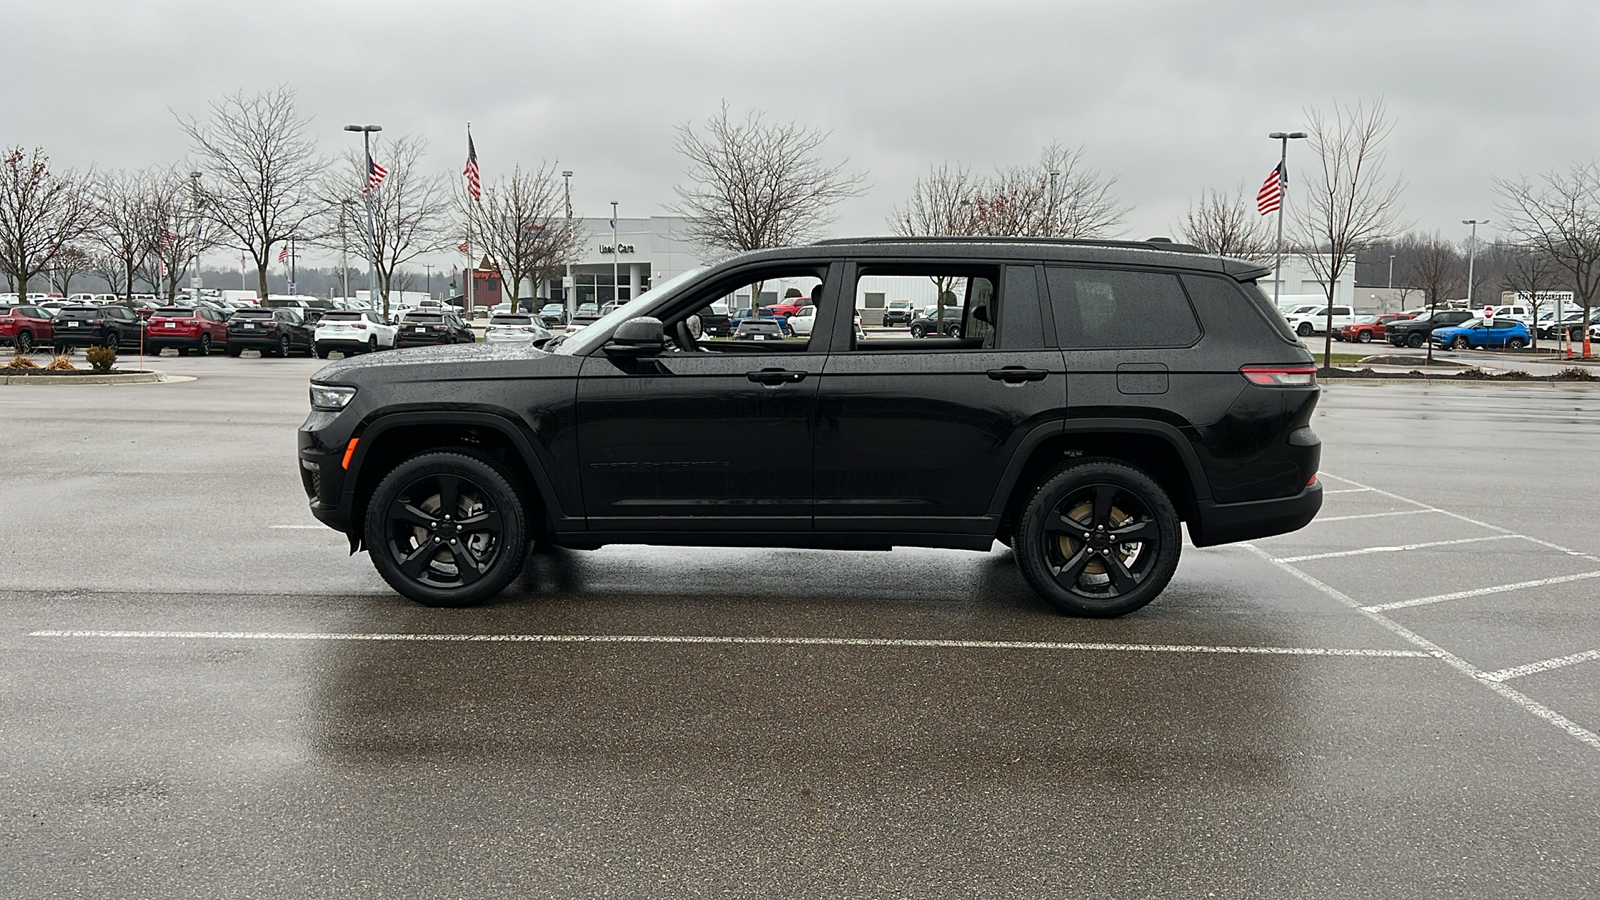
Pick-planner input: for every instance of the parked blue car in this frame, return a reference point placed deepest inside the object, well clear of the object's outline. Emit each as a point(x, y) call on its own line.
point(1480, 333)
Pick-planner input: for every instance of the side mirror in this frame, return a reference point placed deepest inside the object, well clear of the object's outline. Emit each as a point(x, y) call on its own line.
point(636, 338)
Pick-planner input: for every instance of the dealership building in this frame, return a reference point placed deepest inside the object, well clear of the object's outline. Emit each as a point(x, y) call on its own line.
point(644, 252)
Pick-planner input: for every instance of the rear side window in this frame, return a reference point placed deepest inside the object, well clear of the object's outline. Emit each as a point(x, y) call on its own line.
point(1115, 309)
point(1215, 294)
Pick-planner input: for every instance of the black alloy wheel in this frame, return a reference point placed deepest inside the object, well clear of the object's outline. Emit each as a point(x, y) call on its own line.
point(24, 343)
point(446, 529)
point(1516, 343)
point(1098, 538)
point(372, 344)
point(205, 345)
point(916, 331)
point(111, 340)
point(283, 347)
point(1415, 340)
point(954, 331)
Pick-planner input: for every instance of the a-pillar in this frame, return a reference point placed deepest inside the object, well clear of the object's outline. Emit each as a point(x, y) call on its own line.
point(633, 280)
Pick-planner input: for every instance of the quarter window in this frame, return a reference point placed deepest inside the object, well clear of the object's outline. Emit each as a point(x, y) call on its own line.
point(1114, 309)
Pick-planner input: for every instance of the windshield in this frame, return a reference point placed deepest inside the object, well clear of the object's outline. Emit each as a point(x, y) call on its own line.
point(587, 339)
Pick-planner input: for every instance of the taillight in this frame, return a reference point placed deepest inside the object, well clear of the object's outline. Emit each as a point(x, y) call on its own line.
point(1280, 376)
point(360, 325)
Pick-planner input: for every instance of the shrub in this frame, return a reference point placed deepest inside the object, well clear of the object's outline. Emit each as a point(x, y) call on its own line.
point(101, 358)
point(61, 364)
point(1576, 373)
point(21, 362)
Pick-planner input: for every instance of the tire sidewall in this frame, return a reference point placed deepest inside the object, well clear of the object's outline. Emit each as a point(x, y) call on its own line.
point(479, 471)
point(1029, 543)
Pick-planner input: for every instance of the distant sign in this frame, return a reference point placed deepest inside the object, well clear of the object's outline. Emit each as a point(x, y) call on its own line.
point(291, 288)
point(1488, 312)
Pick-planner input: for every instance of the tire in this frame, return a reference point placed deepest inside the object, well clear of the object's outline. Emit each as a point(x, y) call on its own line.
point(1304, 329)
point(954, 331)
point(372, 344)
point(1414, 341)
point(1459, 343)
point(234, 351)
point(408, 537)
point(917, 331)
point(1516, 344)
point(282, 350)
point(111, 340)
point(1098, 576)
point(205, 345)
point(182, 351)
point(1364, 337)
point(24, 342)
point(322, 352)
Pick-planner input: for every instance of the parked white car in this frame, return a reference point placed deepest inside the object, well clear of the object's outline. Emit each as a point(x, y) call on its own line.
point(1307, 324)
point(519, 328)
point(353, 331)
point(803, 320)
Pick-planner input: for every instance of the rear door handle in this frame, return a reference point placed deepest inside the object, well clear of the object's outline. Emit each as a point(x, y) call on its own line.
point(1017, 374)
point(775, 376)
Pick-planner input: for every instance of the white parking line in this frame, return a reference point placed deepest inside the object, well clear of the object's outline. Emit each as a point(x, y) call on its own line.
point(723, 639)
point(1544, 666)
point(1479, 592)
point(1396, 549)
point(1522, 700)
point(297, 526)
point(1346, 491)
point(1401, 512)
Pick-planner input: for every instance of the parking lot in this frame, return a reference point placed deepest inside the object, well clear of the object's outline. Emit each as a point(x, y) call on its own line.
point(206, 696)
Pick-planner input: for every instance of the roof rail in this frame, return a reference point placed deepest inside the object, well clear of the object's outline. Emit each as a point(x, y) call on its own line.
point(1155, 243)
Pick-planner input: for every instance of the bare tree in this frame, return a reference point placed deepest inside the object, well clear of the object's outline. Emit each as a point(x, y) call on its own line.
point(409, 217)
point(519, 224)
point(755, 184)
point(261, 172)
point(941, 205)
point(128, 227)
point(1228, 226)
point(1057, 196)
point(41, 215)
point(71, 262)
point(1532, 273)
point(183, 233)
point(1351, 201)
point(1559, 214)
point(1435, 269)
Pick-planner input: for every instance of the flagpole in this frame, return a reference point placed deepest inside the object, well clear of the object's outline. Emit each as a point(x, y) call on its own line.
point(467, 292)
point(1283, 139)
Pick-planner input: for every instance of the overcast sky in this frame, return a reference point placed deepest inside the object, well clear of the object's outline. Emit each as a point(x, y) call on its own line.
point(1169, 98)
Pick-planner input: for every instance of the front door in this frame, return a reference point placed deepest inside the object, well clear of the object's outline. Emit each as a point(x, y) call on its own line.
point(713, 435)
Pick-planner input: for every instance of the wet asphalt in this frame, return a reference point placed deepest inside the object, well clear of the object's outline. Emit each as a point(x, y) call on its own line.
point(202, 695)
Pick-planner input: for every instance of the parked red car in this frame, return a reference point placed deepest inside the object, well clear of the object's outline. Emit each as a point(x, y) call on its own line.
point(24, 326)
point(1364, 331)
point(198, 329)
point(788, 307)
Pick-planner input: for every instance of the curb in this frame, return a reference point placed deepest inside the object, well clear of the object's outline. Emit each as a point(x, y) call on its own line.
point(1445, 379)
point(151, 377)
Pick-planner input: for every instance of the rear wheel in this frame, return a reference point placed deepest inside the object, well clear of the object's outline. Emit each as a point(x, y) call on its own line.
point(372, 344)
point(111, 341)
point(322, 352)
point(446, 529)
point(1098, 538)
point(24, 343)
point(234, 351)
point(1516, 343)
point(1304, 330)
point(205, 345)
point(282, 350)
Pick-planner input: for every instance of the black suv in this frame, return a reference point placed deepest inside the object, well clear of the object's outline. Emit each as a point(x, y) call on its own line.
point(1416, 332)
point(275, 332)
point(112, 325)
point(422, 328)
point(1100, 393)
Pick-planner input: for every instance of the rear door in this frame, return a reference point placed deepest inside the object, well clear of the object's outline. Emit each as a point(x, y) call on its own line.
point(914, 435)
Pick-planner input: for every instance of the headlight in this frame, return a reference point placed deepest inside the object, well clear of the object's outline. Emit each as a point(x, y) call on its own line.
point(331, 397)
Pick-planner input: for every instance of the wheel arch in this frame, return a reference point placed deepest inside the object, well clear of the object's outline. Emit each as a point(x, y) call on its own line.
point(393, 438)
point(1157, 448)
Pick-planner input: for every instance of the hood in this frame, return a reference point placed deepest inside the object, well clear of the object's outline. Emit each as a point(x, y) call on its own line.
point(447, 354)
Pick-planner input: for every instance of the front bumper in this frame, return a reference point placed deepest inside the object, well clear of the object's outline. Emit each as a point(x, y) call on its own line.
point(323, 440)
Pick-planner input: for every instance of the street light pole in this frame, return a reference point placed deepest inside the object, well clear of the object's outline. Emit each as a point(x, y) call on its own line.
point(1283, 138)
point(1472, 247)
point(372, 228)
point(1050, 214)
point(568, 288)
point(429, 268)
point(194, 280)
point(344, 252)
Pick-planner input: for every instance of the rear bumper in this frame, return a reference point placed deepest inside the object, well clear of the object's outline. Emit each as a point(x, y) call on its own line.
point(1227, 523)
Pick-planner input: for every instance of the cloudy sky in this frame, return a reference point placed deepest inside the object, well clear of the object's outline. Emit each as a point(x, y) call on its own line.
point(1169, 98)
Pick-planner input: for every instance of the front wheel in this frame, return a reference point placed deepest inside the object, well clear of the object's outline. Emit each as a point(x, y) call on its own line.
point(1460, 343)
point(1414, 341)
point(1098, 538)
point(916, 331)
point(1364, 337)
point(1304, 330)
point(446, 529)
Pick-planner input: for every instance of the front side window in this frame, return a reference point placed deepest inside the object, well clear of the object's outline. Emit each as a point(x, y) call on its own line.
point(1120, 309)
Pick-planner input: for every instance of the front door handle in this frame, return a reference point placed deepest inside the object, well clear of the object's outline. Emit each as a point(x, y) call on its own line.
point(1017, 374)
point(775, 376)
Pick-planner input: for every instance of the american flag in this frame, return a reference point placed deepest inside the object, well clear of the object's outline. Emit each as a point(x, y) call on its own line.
point(462, 247)
point(375, 174)
point(1270, 197)
point(169, 238)
point(474, 186)
point(283, 253)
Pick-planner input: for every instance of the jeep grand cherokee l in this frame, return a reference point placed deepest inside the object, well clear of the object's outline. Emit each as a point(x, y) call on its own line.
point(1100, 394)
